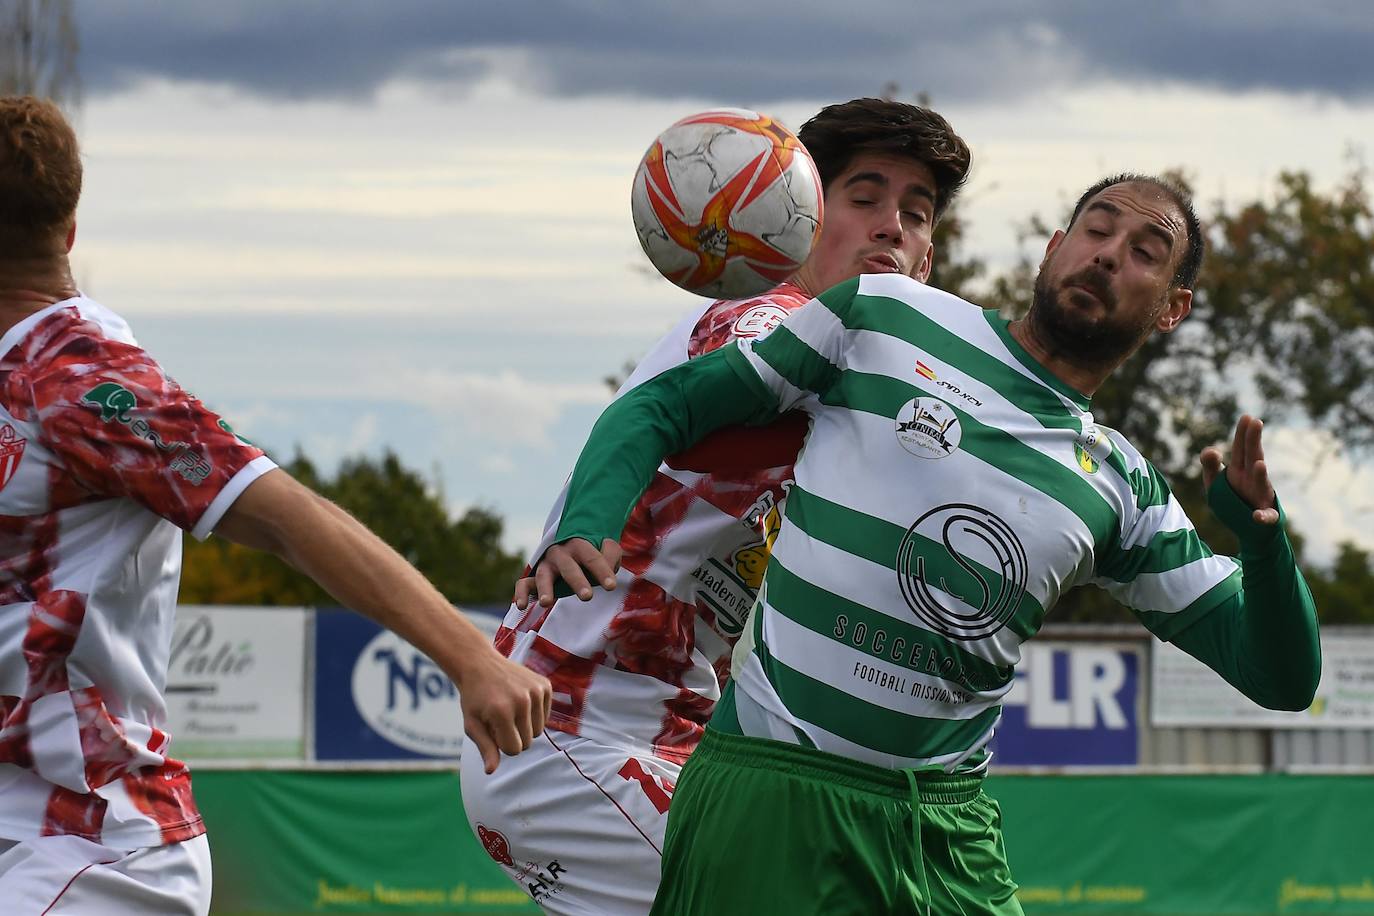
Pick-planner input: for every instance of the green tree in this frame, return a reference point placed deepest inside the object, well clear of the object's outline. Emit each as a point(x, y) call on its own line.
point(463, 557)
point(1345, 593)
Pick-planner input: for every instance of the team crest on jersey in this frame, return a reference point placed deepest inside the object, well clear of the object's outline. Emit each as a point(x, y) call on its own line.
point(11, 451)
point(928, 428)
point(759, 320)
point(496, 845)
point(962, 571)
point(1092, 448)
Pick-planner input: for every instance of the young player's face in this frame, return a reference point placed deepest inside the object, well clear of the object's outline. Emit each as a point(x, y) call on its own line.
point(879, 213)
point(1107, 282)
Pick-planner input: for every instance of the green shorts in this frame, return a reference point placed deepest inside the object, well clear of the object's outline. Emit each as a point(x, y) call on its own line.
point(760, 827)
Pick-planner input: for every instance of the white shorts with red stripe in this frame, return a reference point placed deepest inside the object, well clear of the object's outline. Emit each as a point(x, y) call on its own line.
point(70, 876)
point(576, 824)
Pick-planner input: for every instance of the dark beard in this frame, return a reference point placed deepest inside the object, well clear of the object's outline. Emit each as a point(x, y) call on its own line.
point(1103, 341)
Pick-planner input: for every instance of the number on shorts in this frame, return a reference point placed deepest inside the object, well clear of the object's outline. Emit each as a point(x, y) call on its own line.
point(659, 791)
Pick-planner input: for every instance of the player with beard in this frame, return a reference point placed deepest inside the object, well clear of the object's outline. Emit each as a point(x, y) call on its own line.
point(953, 485)
point(578, 820)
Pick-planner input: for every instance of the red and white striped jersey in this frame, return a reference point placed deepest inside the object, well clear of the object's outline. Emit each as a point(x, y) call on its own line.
point(103, 459)
point(643, 666)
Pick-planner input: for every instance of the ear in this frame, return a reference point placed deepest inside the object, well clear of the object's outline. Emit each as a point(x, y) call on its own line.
point(71, 236)
point(1051, 245)
point(922, 271)
point(1176, 308)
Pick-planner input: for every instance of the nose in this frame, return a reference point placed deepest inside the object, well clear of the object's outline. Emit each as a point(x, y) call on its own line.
point(1109, 255)
point(888, 226)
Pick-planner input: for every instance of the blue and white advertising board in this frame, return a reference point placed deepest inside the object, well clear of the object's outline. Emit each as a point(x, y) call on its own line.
point(1072, 704)
point(379, 698)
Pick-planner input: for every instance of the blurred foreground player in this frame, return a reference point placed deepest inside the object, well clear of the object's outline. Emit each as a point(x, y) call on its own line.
point(953, 485)
point(103, 460)
point(578, 821)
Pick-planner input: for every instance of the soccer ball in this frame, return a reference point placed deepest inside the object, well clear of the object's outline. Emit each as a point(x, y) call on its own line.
point(727, 203)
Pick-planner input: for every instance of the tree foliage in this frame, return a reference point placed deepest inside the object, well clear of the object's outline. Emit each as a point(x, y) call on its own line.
point(463, 557)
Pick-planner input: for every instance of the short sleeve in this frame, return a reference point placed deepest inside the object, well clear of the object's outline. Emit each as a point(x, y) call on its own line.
point(803, 358)
point(1161, 569)
point(123, 428)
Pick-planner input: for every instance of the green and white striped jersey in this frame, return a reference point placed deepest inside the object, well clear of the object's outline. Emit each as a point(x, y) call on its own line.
point(950, 490)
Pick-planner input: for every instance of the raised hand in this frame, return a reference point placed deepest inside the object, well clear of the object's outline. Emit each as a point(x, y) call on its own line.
point(570, 561)
point(1247, 473)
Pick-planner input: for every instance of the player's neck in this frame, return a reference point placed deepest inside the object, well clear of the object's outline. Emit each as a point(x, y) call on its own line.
point(1070, 370)
point(28, 286)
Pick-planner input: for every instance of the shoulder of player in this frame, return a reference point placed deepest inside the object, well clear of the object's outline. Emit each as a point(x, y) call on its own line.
point(788, 298)
point(1146, 482)
point(84, 351)
point(913, 292)
point(730, 319)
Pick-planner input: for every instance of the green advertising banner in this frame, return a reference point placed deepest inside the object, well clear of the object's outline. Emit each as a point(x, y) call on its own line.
point(347, 842)
point(398, 842)
point(1260, 844)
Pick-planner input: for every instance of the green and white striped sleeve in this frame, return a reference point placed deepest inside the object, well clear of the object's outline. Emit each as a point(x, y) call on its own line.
point(660, 417)
point(803, 358)
point(1161, 569)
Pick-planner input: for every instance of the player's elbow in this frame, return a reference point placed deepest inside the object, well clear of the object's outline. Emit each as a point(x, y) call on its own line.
point(1296, 695)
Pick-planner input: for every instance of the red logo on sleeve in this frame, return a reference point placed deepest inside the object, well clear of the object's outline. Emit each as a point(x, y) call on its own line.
point(11, 450)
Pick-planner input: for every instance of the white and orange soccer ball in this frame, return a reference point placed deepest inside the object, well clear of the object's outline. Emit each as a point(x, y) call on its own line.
point(727, 203)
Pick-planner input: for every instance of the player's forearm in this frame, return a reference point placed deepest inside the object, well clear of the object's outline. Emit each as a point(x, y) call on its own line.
point(1264, 641)
point(667, 414)
point(356, 567)
point(365, 574)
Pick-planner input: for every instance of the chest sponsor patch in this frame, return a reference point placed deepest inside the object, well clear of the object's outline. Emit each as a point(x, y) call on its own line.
point(928, 428)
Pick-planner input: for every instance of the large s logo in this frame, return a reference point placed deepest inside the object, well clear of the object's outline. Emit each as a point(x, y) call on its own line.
point(962, 570)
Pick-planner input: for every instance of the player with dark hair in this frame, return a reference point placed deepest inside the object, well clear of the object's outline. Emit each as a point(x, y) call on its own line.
point(953, 485)
point(578, 821)
point(106, 461)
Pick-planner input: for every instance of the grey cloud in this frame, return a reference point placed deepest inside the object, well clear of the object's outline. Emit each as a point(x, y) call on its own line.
point(755, 52)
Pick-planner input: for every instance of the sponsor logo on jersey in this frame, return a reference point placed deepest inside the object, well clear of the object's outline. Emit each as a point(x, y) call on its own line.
point(729, 588)
point(928, 373)
point(759, 320)
point(115, 401)
point(928, 428)
point(406, 698)
point(11, 451)
point(542, 881)
point(1091, 449)
point(496, 845)
point(962, 571)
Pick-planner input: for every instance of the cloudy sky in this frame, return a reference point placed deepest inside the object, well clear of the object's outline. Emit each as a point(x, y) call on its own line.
point(356, 226)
